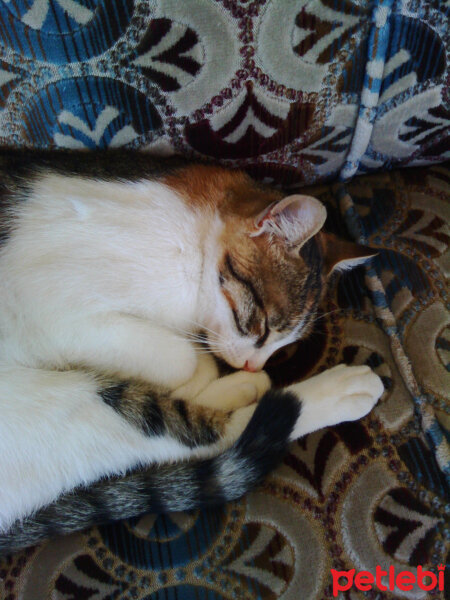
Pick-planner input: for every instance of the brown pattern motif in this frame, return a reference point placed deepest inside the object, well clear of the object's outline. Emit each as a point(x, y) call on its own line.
point(177, 55)
point(320, 29)
point(250, 142)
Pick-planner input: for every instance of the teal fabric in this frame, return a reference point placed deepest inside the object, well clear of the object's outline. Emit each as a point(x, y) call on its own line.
point(313, 89)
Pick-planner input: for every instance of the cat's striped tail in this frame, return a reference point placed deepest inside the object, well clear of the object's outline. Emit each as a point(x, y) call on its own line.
point(172, 487)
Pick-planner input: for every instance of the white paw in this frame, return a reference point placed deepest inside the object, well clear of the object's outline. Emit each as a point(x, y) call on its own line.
point(235, 390)
point(337, 395)
point(206, 372)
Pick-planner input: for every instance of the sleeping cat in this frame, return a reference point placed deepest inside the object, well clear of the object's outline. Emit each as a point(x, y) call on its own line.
point(120, 275)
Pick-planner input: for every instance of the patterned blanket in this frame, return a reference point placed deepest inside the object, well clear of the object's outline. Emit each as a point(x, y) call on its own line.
point(298, 92)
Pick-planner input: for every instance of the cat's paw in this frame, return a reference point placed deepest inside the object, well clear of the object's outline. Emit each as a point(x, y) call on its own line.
point(234, 391)
point(337, 395)
point(206, 372)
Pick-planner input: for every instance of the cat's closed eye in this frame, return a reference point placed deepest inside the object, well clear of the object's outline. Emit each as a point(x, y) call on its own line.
point(245, 304)
point(263, 337)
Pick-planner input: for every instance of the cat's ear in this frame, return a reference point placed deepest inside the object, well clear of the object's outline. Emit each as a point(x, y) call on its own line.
point(295, 219)
point(342, 255)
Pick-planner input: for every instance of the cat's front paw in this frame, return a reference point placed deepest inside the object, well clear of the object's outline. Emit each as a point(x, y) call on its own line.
point(234, 391)
point(206, 372)
point(337, 395)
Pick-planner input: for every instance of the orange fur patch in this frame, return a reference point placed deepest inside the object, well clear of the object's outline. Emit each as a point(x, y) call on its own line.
point(229, 191)
point(277, 276)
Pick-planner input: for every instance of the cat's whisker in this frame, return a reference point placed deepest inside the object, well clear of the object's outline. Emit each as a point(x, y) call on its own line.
point(323, 315)
point(204, 328)
point(205, 343)
point(213, 347)
point(209, 342)
point(198, 337)
point(199, 325)
point(187, 334)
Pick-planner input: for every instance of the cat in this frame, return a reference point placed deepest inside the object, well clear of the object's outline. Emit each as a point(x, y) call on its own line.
point(121, 275)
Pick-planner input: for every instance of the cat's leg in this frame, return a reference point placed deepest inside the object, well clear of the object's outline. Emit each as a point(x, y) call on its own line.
point(339, 394)
point(206, 372)
point(201, 430)
point(196, 431)
point(234, 391)
point(70, 428)
point(230, 392)
point(222, 411)
point(134, 347)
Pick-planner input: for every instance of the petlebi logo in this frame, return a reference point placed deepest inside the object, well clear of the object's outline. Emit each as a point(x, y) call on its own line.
point(392, 580)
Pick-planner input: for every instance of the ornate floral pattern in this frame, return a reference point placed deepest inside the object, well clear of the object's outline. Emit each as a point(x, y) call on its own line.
point(318, 87)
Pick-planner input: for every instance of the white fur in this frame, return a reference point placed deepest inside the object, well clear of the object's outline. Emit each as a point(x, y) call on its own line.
point(295, 218)
point(84, 282)
point(109, 276)
point(351, 263)
point(75, 281)
point(55, 433)
point(336, 395)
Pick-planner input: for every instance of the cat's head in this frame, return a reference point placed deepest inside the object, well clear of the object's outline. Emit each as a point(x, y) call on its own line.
point(270, 278)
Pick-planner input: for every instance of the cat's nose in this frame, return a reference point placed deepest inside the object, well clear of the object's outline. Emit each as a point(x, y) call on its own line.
point(250, 367)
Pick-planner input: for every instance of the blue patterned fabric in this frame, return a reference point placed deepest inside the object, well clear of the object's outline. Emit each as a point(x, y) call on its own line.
point(313, 89)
